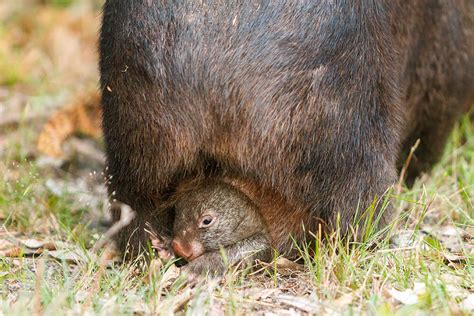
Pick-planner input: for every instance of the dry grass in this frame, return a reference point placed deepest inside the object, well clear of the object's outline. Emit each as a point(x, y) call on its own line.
point(47, 54)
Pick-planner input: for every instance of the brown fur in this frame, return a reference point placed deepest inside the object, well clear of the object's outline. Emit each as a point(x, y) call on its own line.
point(274, 210)
point(312, 104)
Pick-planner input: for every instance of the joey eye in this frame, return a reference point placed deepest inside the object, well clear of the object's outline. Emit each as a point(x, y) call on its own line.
point(206, 221)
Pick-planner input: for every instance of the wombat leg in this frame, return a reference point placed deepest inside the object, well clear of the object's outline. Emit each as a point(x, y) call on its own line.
point(433, 130)
point(143, 232)
point(359, 207)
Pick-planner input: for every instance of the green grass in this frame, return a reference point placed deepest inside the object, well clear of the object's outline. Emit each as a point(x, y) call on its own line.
point(338, 277)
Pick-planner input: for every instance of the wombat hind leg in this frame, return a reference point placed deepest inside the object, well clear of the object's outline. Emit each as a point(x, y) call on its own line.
point(433, 132)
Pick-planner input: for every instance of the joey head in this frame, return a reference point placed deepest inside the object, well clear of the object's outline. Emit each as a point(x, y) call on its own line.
point(216, 225)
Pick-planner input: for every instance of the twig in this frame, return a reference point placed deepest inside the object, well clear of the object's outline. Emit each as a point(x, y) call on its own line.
point(126, 216)
point(38, 308)
point(406, 165)
point(95, 286)
point(182, 300)
point(397, 249)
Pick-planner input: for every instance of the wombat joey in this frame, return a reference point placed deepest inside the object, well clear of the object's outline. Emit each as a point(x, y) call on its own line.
point(217, 226)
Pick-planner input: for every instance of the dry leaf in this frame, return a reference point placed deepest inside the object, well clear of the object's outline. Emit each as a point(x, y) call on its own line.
point(5, 245)
point(49, 245)
point(13, 252)
point(258, 294)
point(81, 296)
point(283, 263)
point(182, 299)
point(71, 255)
point(455, 291)
point(170, 275)
point(452, 238)
point(449, 257)
point(409, 296)
point(32, 243)
point(284, 266)
point(404, 238)
point(345, 299)
point(468, 303)
point(20, 247)
point(302, 303)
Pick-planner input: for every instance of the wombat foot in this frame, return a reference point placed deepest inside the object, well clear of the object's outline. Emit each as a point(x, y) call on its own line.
point(162, 247)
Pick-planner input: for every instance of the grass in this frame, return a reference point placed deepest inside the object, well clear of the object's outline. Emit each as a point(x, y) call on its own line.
point(429, 270)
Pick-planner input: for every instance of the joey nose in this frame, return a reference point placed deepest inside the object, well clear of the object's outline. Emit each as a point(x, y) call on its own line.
point(188, 250)
point(180, 250)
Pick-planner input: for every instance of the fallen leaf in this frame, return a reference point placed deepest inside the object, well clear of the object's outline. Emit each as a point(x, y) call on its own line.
point(403, 238)
point(450, 257)
point(453, 231)
point(182, 299)
point(302, 303)
point(32, 243)
point(71, 255)
point(81, 296)
point(284, 263)
point(283, 266)
point(409, 296)
point(452, 238)
point(140, 308)
point(468, 303)
point(49, 245)
point(13, 247)
point(455, 291)
point(13, 252)
point(257, 294)
point(419, 288)
point(345, 299)
point(5, 244)
point(170, 275)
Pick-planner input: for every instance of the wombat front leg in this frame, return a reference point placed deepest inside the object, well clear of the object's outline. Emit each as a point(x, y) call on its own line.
point(246, 251)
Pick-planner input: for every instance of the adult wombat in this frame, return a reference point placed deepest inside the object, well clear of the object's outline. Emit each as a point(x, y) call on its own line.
point(316, 102)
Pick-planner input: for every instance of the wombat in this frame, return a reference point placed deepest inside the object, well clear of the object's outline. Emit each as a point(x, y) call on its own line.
point(213, 216)
point(314, 102)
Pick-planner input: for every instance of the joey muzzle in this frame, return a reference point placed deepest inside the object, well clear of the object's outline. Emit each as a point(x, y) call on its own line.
point(187, 250)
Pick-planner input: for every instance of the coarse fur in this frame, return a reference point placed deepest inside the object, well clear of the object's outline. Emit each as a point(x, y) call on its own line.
point(316, 102)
